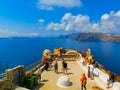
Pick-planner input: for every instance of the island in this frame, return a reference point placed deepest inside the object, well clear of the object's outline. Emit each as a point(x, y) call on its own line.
point(93, 37)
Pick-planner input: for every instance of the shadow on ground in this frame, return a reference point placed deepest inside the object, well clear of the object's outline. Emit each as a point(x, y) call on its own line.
point(40, 84)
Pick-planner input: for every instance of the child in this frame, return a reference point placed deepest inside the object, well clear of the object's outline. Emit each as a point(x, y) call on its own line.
point(83, 80)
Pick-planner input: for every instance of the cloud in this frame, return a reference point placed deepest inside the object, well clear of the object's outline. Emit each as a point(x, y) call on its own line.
point(105, 17)
point(117, 14)
point(31, 34)
point(71, 22)
point(50, 4)
point(7, 33)
point(41, 20)
point(56, 26)
point(109, 23)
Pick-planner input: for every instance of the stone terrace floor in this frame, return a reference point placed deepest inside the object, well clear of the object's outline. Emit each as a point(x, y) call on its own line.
point(49, 78)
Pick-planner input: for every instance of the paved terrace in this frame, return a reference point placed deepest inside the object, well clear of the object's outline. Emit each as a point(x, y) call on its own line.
point(49, 78)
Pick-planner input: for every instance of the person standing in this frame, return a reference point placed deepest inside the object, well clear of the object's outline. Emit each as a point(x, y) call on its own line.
point(65, 67)
point(83, 81)
point(88, 70)
point(63, 61)
point(39, 74)
point(91, 71)
point(110, 80)
point(56, 67)
point(45, 62)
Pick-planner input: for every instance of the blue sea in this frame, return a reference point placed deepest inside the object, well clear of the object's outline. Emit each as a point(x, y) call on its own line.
point(24, 50)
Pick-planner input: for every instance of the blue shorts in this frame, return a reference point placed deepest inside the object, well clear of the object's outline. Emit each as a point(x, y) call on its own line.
point(110, 81)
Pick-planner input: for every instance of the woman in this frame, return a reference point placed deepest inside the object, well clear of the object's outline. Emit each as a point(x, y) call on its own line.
point(91, 71)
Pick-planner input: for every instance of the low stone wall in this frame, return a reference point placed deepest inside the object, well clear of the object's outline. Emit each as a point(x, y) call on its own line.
point(6, 84)
point(13, 77)
point(102, 79)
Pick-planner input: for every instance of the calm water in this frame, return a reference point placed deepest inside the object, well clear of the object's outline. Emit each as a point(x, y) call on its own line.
point(24, 51)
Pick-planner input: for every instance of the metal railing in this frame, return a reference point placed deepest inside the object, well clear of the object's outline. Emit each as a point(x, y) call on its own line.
point(29, 67)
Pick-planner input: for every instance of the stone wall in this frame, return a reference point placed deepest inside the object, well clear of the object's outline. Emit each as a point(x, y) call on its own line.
point(13, 77)
point(6, 84)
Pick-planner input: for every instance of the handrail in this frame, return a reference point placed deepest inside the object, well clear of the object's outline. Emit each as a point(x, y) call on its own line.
point(29, 67)
point(33, 69)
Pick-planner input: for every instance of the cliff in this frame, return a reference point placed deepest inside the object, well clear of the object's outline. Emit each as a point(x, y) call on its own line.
point(93, 37)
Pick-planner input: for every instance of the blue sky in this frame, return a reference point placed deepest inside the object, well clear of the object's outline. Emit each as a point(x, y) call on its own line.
point(57, 17)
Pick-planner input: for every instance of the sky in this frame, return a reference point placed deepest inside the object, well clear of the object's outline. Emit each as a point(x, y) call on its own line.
point(58, 17)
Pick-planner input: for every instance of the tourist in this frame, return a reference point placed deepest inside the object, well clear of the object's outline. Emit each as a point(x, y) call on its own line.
point(91, 71)
point(83, 81)
point(88, 70)
point(110, 80)
point(45, 62)
point(39, 74)
point(59, 53)
point(46, 66)
point(63, 61)
point(56, 67)
point(65, 67)
point(50, 62)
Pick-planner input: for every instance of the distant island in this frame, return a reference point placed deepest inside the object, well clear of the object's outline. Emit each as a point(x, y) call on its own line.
point(93, 37)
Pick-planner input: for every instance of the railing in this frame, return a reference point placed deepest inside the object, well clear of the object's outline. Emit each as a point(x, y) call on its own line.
point(32, 67)
point(64, 56)
point(29, 67)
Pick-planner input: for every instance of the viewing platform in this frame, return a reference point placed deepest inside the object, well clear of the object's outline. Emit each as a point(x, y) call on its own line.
point(50, 78)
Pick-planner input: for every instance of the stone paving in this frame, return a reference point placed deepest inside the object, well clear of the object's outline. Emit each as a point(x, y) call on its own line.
point(49, 78)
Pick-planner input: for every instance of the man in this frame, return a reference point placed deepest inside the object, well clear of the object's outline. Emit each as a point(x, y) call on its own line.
point(110, 80)
point(65, 67)
point(56, 67)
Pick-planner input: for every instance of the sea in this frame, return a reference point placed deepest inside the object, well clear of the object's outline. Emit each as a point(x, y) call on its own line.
point(27, 50)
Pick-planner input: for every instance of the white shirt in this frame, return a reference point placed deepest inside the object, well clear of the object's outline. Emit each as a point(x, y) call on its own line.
point(91, 68)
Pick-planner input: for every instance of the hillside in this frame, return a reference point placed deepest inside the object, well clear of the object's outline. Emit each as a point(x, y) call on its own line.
point(93, 37)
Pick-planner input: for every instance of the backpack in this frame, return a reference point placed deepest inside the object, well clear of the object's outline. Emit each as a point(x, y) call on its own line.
point(84, 82)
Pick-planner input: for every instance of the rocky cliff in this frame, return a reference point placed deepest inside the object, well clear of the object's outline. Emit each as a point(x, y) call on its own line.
point(93, 37)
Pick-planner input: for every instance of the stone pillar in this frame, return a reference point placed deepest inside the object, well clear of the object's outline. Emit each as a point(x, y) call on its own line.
point(9, 75)
point(19, 75)
point(8, 82)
